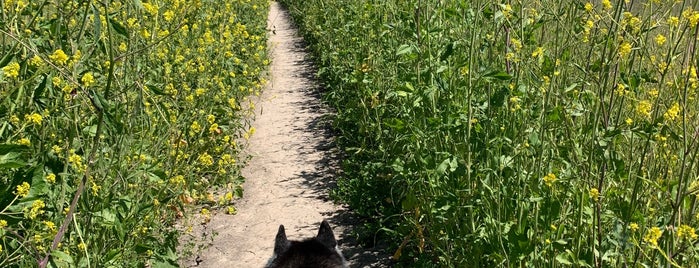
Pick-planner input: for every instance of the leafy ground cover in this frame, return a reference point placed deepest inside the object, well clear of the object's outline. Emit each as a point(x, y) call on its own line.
point(118, 116)
point(516, 133)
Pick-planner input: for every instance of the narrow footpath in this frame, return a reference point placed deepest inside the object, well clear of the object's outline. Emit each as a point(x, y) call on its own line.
point(294, 162)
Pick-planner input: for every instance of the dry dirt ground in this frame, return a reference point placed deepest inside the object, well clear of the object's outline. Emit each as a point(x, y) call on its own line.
point(293, 165)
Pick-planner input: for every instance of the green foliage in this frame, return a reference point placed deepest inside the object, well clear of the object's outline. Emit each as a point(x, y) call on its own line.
point(516, 133)
point(118, 116)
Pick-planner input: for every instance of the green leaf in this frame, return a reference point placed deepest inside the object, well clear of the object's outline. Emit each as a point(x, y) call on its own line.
point(97, 22)
point(12, 160)
point(404, 49)
point(120, 29)
point(7, 148)
point(61, 256)
point(499, 75)
point(155, 90)
point(563, 259)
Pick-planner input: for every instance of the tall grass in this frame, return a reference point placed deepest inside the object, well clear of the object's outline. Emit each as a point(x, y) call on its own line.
point(517, 133)
point(117, 116)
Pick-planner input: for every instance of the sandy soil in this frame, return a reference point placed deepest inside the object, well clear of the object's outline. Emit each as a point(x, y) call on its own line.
point(294, 163)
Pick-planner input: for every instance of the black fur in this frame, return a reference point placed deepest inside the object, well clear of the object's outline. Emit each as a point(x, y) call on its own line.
point(317, 252)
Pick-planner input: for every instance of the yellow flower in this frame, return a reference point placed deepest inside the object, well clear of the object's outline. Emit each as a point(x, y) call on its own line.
point(50, 225)
point(673, 21)
point(205, 159)
point(660, 39)
point(231, 210)
point(11, 70)
point(37, 209)
point(59, 57)
point(152, 9)
point(549, 179)
point(686, 232)
point(214, 128)
point(22, 190)
point(3, 223)
point(195, 127)
point(607, 4)
point(589, 7)
point(211, 118)
point(168, 15)
point(652, 236)
point(24, 141)
point(206, 214)
point(56, 149)
point(633, 227)
point(34, 118)
point(624, 49)
point(672, 113)
point(36, 61)
point(88, 79)
point(538, 52)
point(177, 180)
point(51, 178)
point(594, 194)
point(82, 246)
point(644, 108)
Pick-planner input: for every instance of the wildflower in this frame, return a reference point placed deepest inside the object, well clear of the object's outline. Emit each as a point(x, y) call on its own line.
point(22, 190)
point(538, 52)
point(150, 8)
point(686, 232)
point(206, 214)
point(660, 39)
point(594, 194)
point(37, 209)
point(644, 108)
point(59, 57)
point(56, 149)
point(123, 47)
point(168, 15)
point(624, 49)
point(50, 226)
point(672, 113)
point(607, 4)
point(589, 7)
point(231, 210)
point(629, 121)
point(673, 21)
point(205, 159)
point(621, 89)
point(633, 227)
point(11, 70)
point(36, 61)
point(177, 180)
point(24, 141)
point(3, 223)
point(34, 118)
point(549, 179)
point(88, 79)
point(214, 128)
point(51, 178)
point(82, 246)
point(211, 118)
point(195, 127)
point(652, 236)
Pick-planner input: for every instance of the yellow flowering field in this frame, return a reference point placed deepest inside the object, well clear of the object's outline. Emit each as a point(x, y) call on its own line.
point(516, 133)
point(115, 118)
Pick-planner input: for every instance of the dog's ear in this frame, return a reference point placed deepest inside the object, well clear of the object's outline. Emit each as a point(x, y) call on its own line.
point(281, 244)
point(325, 235)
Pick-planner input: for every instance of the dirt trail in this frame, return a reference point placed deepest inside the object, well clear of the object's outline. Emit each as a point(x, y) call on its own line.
point(294, 162)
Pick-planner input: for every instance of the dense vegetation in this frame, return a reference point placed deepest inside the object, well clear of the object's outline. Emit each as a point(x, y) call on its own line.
point(516, 133)
point(116, 116)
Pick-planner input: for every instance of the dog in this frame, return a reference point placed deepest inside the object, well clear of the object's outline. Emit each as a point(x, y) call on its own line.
point(317, 252)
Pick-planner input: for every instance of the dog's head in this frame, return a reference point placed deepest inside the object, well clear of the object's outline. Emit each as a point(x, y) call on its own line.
point(320, 251)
